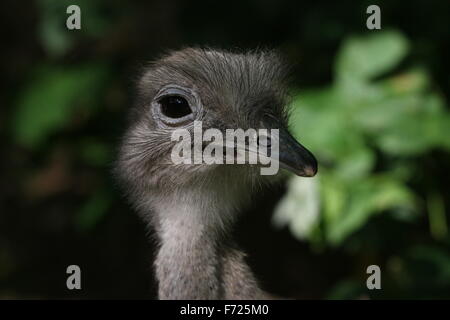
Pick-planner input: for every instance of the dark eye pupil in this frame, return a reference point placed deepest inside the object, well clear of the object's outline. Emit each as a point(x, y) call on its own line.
point(175, 107)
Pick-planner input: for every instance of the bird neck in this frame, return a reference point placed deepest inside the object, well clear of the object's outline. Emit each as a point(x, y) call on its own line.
point(187, 264)
point(196, 260)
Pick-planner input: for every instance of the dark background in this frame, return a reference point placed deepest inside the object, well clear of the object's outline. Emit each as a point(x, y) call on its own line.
point(59, 204)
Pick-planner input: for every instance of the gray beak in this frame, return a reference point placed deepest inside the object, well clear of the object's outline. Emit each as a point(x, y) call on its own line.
point(295, 157)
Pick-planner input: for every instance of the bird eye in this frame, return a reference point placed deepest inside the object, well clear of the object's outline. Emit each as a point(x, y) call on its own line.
point(174, 107)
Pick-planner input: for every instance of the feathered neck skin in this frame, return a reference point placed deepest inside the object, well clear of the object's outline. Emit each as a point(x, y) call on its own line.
point(196, 258)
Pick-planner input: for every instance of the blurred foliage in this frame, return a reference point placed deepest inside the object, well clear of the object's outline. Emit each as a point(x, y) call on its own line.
point(368, 115)
point(380, 131)
point(400, 114)
point(52, 97)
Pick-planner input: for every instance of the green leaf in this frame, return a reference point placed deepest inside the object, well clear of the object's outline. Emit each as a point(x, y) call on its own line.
point(377, 116)
point(54, 36)
point(47, 104)
point(410, 82)
point(335, 195)
point(346, 290)
point(95, 152)
point(356, 165)
point(322, 109)
point(93, 210)
point(366, 198)
point(415, 134)
point(370, 56)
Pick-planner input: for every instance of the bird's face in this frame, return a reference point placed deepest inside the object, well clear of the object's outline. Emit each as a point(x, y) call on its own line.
point(221, 91)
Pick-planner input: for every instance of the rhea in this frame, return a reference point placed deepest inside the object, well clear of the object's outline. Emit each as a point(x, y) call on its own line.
point(192, 207)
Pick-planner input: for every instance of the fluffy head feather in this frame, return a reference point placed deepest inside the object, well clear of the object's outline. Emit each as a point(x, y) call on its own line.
point(235, 90)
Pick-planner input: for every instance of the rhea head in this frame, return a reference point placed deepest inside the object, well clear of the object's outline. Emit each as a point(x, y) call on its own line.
point(223, 90)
